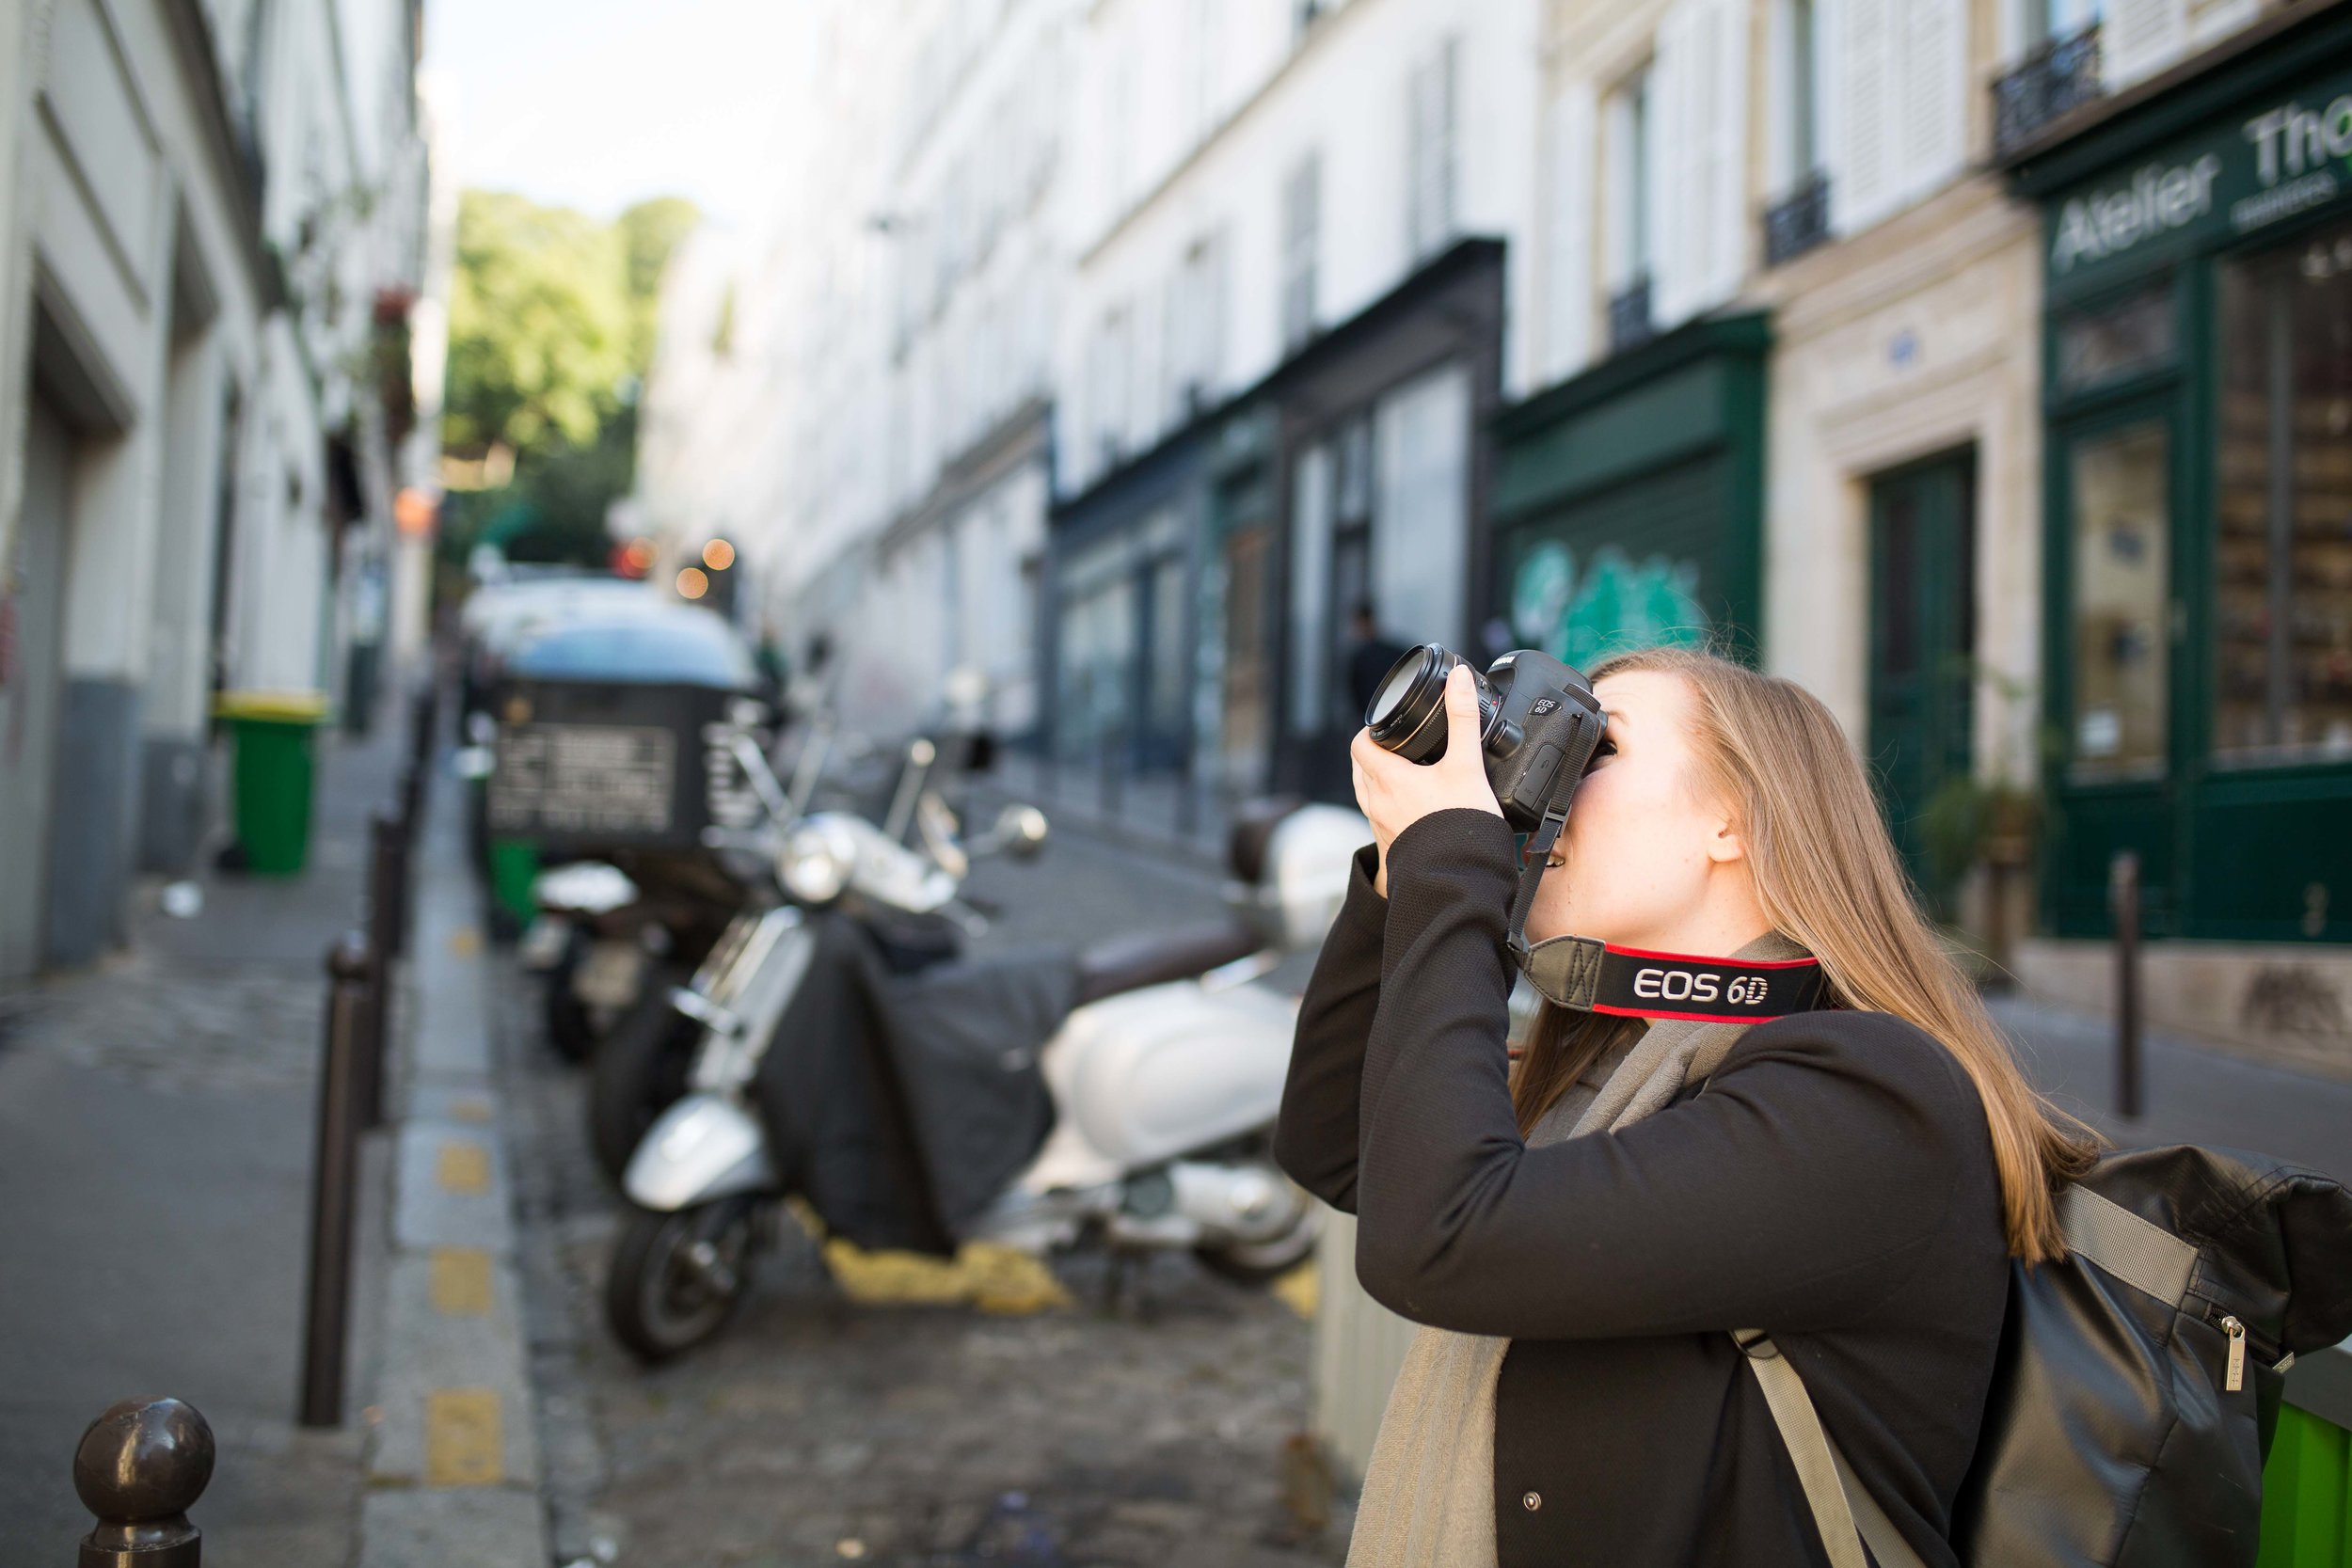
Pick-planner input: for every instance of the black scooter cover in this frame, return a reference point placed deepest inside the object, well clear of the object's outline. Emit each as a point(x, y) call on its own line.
point(900, 1105)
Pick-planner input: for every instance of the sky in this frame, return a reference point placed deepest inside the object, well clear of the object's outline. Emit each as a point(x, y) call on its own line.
point(597, 103)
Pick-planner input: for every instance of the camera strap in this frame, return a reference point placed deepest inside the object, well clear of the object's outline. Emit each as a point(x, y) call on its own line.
point(1595, 976)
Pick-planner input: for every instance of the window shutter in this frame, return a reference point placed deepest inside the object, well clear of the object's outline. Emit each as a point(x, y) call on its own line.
point(2139, 37)
point(1932, 129)
point(1568, 282)
point(1725, 188)
point(1675, 160)
point(1702, 77)
point(1864, 177)
point(1429, 195)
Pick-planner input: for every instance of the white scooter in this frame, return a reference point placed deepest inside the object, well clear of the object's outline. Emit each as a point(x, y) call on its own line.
point(1140, 1097)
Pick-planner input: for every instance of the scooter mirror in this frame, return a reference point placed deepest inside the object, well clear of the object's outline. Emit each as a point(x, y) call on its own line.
point(1022, 829)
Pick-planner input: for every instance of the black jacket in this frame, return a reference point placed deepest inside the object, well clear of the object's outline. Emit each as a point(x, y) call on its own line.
point(1832, 1183)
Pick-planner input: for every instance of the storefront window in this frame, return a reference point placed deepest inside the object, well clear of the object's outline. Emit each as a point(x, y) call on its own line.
point(2126, 337)
point(2282, 566)
point(2121, 585)
point(1310, 576)
point(1423, 492)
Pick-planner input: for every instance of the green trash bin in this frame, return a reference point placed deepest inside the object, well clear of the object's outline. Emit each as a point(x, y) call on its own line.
point(273, 733)
point(2307, 1484)
point(513, 882)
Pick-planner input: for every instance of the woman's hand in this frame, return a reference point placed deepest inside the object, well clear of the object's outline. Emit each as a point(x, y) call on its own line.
point(1395, 794)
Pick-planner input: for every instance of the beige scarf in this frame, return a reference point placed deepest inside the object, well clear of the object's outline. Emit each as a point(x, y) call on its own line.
point(1428, 1498)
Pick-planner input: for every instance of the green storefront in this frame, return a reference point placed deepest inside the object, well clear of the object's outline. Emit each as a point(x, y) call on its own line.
point(1628, 501)
point(2198, 495)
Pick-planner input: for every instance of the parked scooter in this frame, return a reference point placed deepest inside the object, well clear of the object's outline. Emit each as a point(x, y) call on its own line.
point(640, 1064)
point(1125, 1093)
point(608, 932)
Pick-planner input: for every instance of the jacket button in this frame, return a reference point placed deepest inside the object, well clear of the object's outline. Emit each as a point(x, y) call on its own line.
point(1533, 1501)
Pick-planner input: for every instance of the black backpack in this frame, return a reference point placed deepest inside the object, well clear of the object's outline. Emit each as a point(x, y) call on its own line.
point(2139, 1379)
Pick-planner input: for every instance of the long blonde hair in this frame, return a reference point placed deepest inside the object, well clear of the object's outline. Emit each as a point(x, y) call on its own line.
point(1827, 876)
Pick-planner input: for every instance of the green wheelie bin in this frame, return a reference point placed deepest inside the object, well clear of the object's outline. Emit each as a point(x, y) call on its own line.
point(273, 732)
point(2307, 1484)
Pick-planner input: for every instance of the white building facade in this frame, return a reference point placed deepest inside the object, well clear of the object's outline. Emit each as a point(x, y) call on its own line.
point(1295, 229)
point(215, 218)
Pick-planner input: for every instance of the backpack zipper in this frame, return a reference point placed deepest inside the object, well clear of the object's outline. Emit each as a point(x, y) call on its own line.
point(2234, 1379)
point(2242, 1340)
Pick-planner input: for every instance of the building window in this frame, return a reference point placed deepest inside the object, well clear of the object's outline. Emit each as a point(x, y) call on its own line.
point(1302, 217)
point(1195, 328)
point(1800, 219)
point(1108, 391)
point(1632, 194)
point(2283, 557)
point(1431, 115)
point(2060, 72)
point(2120, 509)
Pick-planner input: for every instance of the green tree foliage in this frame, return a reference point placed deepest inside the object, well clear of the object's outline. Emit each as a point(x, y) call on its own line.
point(551, 327)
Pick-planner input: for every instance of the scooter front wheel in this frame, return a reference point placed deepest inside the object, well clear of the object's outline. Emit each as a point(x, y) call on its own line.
point(1262, 1262)
point(676, 1278)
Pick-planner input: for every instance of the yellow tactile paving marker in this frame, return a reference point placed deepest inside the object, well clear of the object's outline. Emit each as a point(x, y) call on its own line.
point(463, 1438)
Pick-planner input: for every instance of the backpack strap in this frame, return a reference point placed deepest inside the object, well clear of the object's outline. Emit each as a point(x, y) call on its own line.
point(1843, 1510)
point(2139, 1252)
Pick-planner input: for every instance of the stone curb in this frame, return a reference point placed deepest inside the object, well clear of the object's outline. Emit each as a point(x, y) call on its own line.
point(454, 1467)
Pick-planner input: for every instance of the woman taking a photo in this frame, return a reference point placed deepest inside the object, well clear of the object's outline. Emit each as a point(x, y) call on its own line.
point(1582, 1231)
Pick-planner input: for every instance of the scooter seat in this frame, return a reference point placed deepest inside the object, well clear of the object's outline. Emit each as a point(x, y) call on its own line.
point(1155, 957)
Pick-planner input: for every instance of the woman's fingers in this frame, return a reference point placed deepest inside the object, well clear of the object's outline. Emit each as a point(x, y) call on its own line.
point(1462, 740)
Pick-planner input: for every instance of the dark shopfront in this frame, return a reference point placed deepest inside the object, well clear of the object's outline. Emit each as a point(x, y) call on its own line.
point(1628, 501)
point(1119, 638)
point(2198, 495)
point(1381, 480)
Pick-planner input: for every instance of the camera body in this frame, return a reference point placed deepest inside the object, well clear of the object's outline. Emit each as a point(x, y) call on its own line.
point(1537, 717)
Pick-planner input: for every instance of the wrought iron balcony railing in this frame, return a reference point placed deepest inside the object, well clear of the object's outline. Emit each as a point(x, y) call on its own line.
point(1798, 221)
point(2059, 76)
point(1629, 321)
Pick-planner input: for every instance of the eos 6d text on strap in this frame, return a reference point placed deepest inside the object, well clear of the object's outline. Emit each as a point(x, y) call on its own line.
point(1597, 977)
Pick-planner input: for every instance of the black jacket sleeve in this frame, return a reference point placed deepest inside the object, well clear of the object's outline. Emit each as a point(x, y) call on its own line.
point(1799, 1190)
point(1314, 1138)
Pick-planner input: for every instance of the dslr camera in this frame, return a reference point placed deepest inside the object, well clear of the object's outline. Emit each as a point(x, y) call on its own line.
point(1537, 717)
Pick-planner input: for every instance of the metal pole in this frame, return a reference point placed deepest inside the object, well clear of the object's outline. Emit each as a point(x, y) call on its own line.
point(140, 1468)
point(334, 1178)
point(387, 870)
point(2123, 892)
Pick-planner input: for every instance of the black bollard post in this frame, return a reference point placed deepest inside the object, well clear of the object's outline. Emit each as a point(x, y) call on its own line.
point(140, 1468)
point(386, 880)
point(327, 1318)
point(2123, 894)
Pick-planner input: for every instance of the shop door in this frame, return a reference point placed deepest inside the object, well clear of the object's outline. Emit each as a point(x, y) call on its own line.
point(1922, 642)
point(31, 625)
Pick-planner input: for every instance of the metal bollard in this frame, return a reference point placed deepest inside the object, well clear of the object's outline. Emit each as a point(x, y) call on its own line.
point(2123, 902)
point(327, 1319)
point(386, 875)
point(140, 1468)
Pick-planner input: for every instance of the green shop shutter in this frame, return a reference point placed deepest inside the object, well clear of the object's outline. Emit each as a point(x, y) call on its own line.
point(1634, 566)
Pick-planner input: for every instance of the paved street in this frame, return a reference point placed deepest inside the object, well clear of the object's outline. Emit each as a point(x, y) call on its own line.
point(817, 1431)
point(156, 1119)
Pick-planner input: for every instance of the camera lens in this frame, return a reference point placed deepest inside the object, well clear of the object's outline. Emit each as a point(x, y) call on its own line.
point(1408, 711)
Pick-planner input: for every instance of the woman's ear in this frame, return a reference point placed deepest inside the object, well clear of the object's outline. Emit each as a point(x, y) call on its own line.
point(1725, 844)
